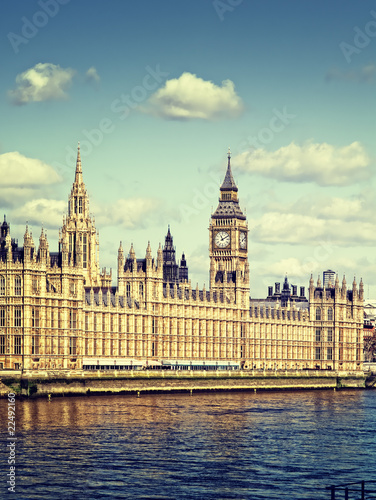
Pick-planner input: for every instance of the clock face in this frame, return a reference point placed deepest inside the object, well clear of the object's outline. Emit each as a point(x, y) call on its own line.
point(222, 239)
point(243, 240)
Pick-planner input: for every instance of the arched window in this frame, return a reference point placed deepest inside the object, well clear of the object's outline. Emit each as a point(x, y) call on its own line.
point(330, 314)
point(128, 289)
point(2, 285)
point(17, 285)
point(318, 314)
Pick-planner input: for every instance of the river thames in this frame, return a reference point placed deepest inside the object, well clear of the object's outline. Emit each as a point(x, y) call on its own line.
point(281, 445)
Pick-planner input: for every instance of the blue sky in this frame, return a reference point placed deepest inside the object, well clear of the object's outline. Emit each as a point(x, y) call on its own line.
point(157, 91)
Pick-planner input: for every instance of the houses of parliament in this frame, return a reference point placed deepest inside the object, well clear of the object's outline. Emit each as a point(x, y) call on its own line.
point(59, 311)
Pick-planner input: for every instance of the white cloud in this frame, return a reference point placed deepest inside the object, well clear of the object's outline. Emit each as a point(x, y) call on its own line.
point(41, 211)
point(19, 171)
point(129, 213)
point(91, 75)
point(43, 82)
point(190, 97)
point(321, 163)
point(356, 208)
point(293, 268)
point(365, 74)
point(298, 229)
point(13, 196)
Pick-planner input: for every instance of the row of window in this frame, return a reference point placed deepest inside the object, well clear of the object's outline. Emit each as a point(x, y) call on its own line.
point(35, 323)
point(320, 335)
point(329, 353)
point(140, 289)
point(320, 314)
point(17, 285)
point(35, 347)
point(17, 344)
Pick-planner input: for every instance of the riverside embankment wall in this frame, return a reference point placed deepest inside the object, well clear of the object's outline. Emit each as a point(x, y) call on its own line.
point(43, 384)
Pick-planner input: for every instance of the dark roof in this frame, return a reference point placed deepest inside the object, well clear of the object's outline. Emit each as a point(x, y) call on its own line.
point(229, 210)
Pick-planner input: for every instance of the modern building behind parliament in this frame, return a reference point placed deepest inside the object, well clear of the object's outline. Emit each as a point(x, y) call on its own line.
point(59, 311)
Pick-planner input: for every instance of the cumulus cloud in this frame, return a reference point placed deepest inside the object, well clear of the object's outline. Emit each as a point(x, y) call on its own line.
point(43, 82)
point(366, 74)
point(41, 211)
point(322, 163)
point(17, 170)
point(299, 229)
point(91, 75)
point(13, 196)
point(129, 213)
point(293, 267)
point(190, 97)
point(357, 207)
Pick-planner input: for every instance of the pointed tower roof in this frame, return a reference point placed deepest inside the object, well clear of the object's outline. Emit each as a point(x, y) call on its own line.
point(228, 183)
point(168, 239)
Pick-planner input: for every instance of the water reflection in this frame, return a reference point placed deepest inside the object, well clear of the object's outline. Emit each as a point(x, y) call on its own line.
point(221, 445)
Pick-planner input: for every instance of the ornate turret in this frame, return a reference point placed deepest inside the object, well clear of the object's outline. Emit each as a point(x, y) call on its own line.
point(120, 257)
point(8, 246)
point(361, 290)
point(344, 287)
point(183, 269)
point(148, 256)
point(4, 228)
point(336, 284)
point(78, 234)
point(132, 253)
point(160, 257)
point(170, 267)
point(43, 251)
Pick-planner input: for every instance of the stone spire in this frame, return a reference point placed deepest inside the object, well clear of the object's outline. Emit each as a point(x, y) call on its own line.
point(43, 250)
point(148, 251)
point(344, 287)
point(78, 176)
point(361, 289)
point(160, 257)
point(120, 257)
point(132, 253)
point(336, 283)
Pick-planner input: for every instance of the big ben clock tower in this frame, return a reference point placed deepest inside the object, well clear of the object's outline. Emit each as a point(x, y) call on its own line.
point(228, 244)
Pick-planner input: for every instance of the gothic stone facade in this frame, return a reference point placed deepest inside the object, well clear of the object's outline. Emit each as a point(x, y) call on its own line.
point(59, 311)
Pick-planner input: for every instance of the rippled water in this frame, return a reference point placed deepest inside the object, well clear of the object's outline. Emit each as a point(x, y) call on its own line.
point(209, 445)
